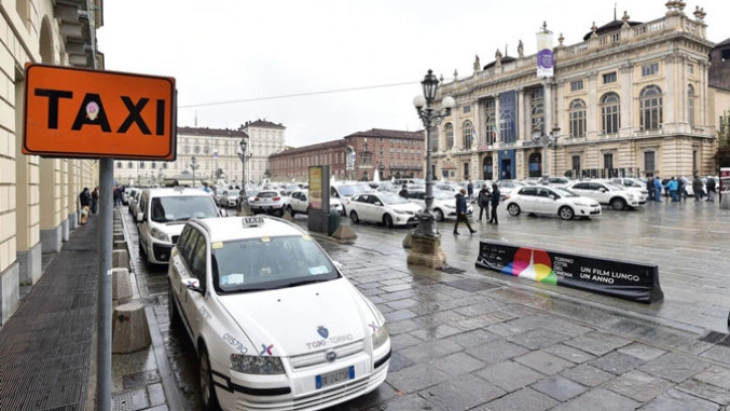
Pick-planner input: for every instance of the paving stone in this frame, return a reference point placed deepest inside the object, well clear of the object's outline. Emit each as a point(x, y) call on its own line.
point(398, 362)
point(428, 351)
point(599, 399)
point(437, 332)
point(502, 329)
point(416, 378)
point(458, 364)
point(496, 351)
point(480, 321)
point(537, 338)
point(401, 341)
point(463, 393)
point(616, 363)
point(479, 308)
point(559, 388)
point(597, 343)
point(135, 399)
point(638, 385)
point(409, 402)
point(158, 408)
point(718, 353)
point(523, 400)
point(405, 326)
point(675, 400)
point(706, 391)
point(544, 362)
point(674, 367)
point(402, 304)
point(473, 338)
point(569, 353)
point(156, 394)
point(641, 351)
point(715, 375)
point(399, 315)
point(141, 378)
point(381, 395)
point(523, 324)
point(442, 317)
point(587, 375)
point(510, 376)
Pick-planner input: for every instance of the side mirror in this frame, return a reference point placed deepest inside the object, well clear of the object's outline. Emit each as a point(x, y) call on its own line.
point(378, 203)
point(140, 216)
point(193, 284)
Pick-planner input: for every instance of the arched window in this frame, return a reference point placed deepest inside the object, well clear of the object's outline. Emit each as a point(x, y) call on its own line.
point(467, 132)
point(449, 129)
point(691, 105)
point(651, 108)
point(577, 113)
point(611, 113)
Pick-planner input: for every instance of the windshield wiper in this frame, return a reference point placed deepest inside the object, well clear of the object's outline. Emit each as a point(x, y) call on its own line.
point(306, 282)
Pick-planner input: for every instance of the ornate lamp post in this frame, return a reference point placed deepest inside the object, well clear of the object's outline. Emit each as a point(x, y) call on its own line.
point(243, 156)
point(547, 141)
point(426, 240)
point(194, 166)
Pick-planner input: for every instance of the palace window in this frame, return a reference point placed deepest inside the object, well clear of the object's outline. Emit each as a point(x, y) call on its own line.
point(576, 85)
point(651, 108)
point(537, 111)
point(467, 132)
point(608, 161)
point(507, 117)
point(691, 105)
point(491, 123)
point(467, 108)
point(449, 128)
point(649, 69)
point(609, 78)
point(649, 161)
point(577, 114)
point(611, 113)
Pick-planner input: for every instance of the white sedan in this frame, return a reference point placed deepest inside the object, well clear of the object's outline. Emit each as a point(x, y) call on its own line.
point(387, 208)
point(551, 201)
point(299, 203)
point(444, 204)
point(274, 322)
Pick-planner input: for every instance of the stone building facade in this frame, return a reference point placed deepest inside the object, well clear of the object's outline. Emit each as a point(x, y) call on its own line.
point(393, 153)
point(631, 99)
point(38, 196)
point(266, 138)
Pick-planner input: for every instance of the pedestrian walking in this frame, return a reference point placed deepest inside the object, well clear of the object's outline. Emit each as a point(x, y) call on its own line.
point(461, 213)
point(657, 189)
point(682, 189)
point(95, 200)
point(85, 201)
point(470, 190)
point(650, 188)
point(672, 186)
point(483, 201)
point(117, 195)
point(495, 202)
point(711, 189)
point(698, 188)
point(403, 192)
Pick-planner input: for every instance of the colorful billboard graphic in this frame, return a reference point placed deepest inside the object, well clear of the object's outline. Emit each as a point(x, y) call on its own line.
point(626, 280)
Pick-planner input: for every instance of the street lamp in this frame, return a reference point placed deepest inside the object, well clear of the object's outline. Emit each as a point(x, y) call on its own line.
point(430, 117)
point(547, 141)
point(242, 155)
point(194, 166)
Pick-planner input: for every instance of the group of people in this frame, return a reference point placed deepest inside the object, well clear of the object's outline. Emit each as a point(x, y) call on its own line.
point(677, 190)
point(485, 198)
point(89, 203)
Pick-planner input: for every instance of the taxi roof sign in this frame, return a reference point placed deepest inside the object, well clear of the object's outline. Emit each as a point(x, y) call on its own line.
point(81, 113)
point(252, 221)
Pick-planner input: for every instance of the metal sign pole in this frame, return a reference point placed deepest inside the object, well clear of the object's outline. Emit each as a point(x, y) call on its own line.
point(104, 288)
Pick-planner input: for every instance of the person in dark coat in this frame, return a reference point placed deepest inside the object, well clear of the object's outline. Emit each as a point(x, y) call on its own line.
point(483, 201)
point(650, 188)
point(699, 189)
point(95, 200)
point(85, 201)
point(403, 192)
point(470, 190)
point(711, 189)
point(461, 213)
point(495, 202)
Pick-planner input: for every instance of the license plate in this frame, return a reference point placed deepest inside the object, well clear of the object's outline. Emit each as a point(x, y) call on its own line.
point(335, 377)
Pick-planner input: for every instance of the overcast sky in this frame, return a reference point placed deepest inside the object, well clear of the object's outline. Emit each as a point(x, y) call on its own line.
point(246, 51)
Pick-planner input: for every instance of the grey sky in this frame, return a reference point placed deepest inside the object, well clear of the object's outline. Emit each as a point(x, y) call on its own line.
point(229, 50)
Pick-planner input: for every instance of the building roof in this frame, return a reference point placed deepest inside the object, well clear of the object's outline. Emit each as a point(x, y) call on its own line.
point(312, 147)
point(263, 123)
point(211, 132)
point(379, 132)
point(505, 60)
point(609, 27)
point(722, 44)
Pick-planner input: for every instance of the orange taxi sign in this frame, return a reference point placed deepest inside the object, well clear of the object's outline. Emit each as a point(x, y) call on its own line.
point(72, 112)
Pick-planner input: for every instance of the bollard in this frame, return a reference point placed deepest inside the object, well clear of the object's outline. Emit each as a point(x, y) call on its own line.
point(344, 235)
point(120, 259)
point(120, 245)
point(130, 331)
point(121, 284)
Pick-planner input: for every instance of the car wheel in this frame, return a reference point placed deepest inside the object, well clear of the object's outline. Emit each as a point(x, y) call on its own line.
point(513, 210)
point(388, 220)
point(354, 217)
point(140, 248)
point(175, 319)
point(618, 204)
point(438, 215)
point(291, 211)
point(566, 213)
point(207, 389)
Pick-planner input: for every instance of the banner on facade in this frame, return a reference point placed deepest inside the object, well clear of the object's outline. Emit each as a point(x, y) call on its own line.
point(545, 58)
point(616, 278)
point(724, 179)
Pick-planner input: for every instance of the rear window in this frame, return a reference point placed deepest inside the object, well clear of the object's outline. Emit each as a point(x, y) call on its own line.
point(181, 208)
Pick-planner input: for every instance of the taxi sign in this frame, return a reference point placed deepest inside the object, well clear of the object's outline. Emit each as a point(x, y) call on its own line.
point(252, 221)
point(81, 113)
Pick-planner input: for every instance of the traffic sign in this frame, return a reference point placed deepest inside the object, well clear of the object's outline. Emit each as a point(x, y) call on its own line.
point(81, 113)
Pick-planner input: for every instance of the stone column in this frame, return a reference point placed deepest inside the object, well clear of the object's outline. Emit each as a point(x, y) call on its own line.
point(670, 114)
point(522, 133)
point(627, 100)
point(592, 103)
point(560, 112)
point(497, 120)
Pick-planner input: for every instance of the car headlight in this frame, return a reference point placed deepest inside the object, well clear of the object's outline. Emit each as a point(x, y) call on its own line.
point(250, 364)
point(630, 196)
point(160, 235)
point(449, 206)
point(582, 204)
point(380, 336)
point(401, 212)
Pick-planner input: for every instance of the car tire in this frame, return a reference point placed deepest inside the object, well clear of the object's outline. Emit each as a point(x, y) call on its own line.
point(513, 210)
point(618, 204)
point(140, 248)
point(438, 215)
point(291, 211)
point(207, 389)
point(354, 217)
point(173, 313)
point(566, 213)
point(388, 220)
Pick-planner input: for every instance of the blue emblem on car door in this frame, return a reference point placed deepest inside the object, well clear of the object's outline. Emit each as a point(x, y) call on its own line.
point(323, 332)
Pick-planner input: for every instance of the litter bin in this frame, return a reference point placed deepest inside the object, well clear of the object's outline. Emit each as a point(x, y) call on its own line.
point(333, 221)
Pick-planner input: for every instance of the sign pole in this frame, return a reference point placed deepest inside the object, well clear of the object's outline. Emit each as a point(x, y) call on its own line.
point(104, 288)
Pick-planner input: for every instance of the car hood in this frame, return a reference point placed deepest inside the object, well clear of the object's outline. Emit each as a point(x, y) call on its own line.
point(172, 228)
point(300, 320)
point(406, 207)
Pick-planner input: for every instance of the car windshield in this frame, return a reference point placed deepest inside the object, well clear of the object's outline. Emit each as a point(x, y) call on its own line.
point(614, 186)
point(564, 193)
point(442, 195)
point(393, 199)
point(267, 263)
point(348, 190)
point(182, 208)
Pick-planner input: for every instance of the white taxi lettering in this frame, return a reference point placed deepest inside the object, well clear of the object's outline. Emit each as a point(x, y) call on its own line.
point(337, 339)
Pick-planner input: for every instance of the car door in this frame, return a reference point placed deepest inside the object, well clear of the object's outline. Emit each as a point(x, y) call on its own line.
point(601, 192)
point(526, 199)
point(584, 189)
point(377, 208)
point(545, 202)
point(364, 208)
point(195, 261)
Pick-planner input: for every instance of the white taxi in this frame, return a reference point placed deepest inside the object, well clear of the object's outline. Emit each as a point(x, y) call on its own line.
point(275, 324)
